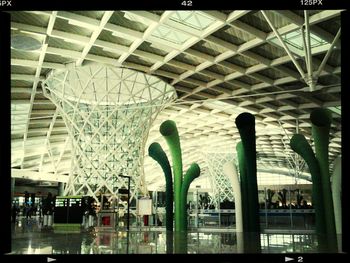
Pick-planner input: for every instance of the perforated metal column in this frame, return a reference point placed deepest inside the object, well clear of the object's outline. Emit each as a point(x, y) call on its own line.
point(221, 185)
point(108, 112)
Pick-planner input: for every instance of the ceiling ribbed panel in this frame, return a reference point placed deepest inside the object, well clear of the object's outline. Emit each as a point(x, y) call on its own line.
point(221, 63)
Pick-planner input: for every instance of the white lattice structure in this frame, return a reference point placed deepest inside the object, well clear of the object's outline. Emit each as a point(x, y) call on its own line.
point(108, 112)
point(221, 185)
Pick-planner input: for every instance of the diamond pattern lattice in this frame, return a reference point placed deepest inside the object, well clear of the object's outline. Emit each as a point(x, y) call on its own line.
point(108, 112)
point(222, 188)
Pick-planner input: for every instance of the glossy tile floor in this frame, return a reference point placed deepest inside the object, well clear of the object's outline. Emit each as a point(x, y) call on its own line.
point(27, 238)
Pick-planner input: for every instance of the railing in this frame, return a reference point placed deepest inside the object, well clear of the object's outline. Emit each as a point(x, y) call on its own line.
point(303, 219)
point(269, 218)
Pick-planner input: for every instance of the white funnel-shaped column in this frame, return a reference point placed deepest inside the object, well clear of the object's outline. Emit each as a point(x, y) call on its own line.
point(230, 171)
point(108, 112)
point(222, 189)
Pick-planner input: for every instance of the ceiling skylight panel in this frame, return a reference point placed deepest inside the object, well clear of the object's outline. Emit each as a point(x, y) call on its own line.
point(295, 38)
point(294, 41)
point(166, 33)
point(193, 19)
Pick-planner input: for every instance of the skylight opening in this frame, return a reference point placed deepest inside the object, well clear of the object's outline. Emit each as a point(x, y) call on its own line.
point(193, 19)
point(166, 33)
point(294, 41)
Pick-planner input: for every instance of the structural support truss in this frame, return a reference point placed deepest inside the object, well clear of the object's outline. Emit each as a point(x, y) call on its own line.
point(310, 77)
point(221, 185)
point(108, 112)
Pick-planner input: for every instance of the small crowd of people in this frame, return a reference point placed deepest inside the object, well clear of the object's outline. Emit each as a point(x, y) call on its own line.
point(279, 205)
point(29, 209)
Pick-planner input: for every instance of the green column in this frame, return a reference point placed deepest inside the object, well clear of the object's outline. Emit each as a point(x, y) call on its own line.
point(169, 131)
point(192, 173)
point(245, 123)
point(157, 153)
point(337, 194)
point(181, 235)
point(321, 122)
point(299, 144)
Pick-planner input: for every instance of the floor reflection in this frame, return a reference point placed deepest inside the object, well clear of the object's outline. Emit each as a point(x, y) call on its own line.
point(27, 238)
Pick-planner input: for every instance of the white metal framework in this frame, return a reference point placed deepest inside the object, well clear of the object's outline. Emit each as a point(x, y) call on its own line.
point(108, 112)
point(222, 188)
point(217, 60)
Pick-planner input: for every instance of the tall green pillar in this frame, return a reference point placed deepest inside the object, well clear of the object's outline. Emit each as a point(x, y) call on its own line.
point(299, 144)
point(245, 123)
point(318, 164)
point(169, 131)
point(181, 184)
point(321, 123)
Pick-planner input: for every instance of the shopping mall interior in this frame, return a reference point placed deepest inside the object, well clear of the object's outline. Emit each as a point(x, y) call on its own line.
point(176, 132)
